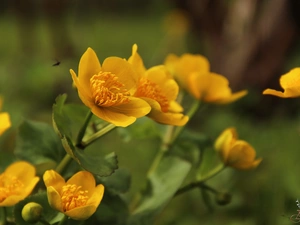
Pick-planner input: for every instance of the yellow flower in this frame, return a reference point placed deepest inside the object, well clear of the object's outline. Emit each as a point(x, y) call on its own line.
point(235, 153)
point(290, 82)
point(77, 198)
point(213, 88)
point(16, 183)
point(4, 120)
point(157, 87)
point(193, 74)
point(108, 89)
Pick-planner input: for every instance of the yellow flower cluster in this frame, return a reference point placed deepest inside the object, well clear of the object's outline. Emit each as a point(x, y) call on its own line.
point(119, 91)
point(193, 74)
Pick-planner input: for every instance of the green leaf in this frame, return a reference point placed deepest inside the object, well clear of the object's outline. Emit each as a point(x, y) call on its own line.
point(96, 164)
point(111, 211)
point(66, 118)
point(50, 215)
point(162, 185)
point(118, 182)
point(38, 143)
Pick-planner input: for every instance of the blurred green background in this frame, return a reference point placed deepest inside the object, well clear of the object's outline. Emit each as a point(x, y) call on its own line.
point(37, 34)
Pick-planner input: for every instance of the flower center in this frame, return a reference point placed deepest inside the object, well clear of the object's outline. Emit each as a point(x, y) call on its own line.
point(107, 90)
point(149, 89)
point(72, 197)
point(9, 185)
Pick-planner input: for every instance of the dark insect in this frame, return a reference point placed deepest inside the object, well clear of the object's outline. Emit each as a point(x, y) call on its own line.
point(57, 63)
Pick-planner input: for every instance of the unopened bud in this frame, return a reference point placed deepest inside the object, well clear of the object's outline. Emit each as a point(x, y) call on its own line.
point(32, 212)
point(223, 198)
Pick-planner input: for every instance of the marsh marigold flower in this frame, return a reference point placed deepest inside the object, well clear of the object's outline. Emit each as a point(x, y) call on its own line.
point(16, 183)
point(108, 89)
point(193, 74)
point(290, 82)
point(4, 120)
point(235, 153)
point(157, 87)
point(77, 198)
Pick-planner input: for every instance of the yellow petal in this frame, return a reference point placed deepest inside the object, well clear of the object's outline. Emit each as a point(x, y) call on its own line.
point(54, 199)
point(242, 156)
point(290, 82)
point(81, 213)
point(161, 77)
point(30, 186)
point(11, 200)
point(187, 64)
point(198, 83)
point(84, 179)
point(276, 93)
point(233, 97)
point(137, 107)
point(123, 70)
point(117, 119)
point(4, 122)
point(97, 196)
point(136, 60)
point(176, 119)
point(89, 65)
point(22, 170)
point(84, 92)
point(52, 178)
point(224, 142)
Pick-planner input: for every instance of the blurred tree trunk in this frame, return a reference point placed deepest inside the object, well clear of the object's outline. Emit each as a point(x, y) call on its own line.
point(246, 40)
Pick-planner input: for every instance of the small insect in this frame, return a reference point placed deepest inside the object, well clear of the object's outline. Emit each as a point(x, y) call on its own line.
point(57, 63)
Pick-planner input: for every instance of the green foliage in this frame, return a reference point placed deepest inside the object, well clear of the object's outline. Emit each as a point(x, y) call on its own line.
point(38, 143)
point(62, 122)
point(163, 182)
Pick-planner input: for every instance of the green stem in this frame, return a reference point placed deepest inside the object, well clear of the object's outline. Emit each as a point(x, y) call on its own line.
point(96, 135)
point(83, 128)
point(64, 220)
point(2, 216)
point(195, 185)
point(63, 164)
point(44, 222)
point(200, 183)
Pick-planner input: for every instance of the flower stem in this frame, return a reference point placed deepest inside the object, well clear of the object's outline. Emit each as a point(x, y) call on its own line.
point(2, 216)
point(83, 128)
point(64, 220)
point(63, 163)
point(97, 135)
point(200, 183)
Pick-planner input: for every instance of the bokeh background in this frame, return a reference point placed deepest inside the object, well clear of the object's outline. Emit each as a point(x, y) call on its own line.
point(251, 42)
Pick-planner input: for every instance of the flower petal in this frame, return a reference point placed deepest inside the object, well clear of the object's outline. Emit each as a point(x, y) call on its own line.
point(137, 107)
point(81, 213)
point(118, 119)
point(89, 65)
point(11, 200)
point(54, 199)
point(52, 178)
point(22, 170)
point(123, 70)
point(84, 179)
point(84, 92)
point(136, 60)
point(4, 122)
point(276, 93)
point(97, 196)
point(176, 119)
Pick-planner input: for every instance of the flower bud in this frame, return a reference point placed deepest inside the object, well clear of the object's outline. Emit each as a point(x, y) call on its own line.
point(32, 212)
point(223, 198)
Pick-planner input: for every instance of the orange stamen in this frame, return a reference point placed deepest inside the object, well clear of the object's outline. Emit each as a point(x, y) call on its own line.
point(107, 90)
point(72, 197)
point(149, 89)
point(9, 185)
